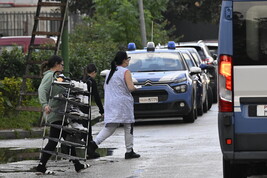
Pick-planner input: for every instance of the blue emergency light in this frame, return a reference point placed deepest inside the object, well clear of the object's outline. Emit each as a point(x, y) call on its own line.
point(171, 45)
point(131, 46)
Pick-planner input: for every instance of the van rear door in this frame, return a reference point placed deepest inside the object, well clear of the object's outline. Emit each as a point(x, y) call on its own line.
point(250, 75)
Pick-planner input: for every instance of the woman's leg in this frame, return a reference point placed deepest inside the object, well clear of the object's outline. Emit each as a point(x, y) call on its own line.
point(50, 146)
point(107, 131)
point(128, 136)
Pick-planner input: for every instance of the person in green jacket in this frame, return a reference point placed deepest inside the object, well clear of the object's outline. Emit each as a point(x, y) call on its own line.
point(55, 63)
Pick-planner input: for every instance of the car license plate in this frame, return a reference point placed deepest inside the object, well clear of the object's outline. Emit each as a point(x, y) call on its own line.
point(148, 99)
point(261, 110)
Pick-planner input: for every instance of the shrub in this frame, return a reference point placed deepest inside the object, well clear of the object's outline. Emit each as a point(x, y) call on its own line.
point(10, 92)
point(12, 63)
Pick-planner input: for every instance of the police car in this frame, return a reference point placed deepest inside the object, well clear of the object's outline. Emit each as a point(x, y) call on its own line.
point(169, 86)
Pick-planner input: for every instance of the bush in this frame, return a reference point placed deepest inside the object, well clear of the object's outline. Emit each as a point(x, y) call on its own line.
point(10, 92)
point(12, 63)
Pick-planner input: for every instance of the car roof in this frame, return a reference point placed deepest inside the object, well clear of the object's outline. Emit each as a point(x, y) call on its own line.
point(211, 42)
point(156, 50)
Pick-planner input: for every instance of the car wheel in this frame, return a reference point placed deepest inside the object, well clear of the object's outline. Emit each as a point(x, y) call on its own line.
point(191, 117)
point(214, 93)
point(210, 98)
point(200, 109)
point(206, 104)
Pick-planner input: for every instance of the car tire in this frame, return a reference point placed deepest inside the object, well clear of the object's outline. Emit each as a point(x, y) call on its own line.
point(200, 109)
point(206, 104)
point(210, 98)
point(192, 116)
point(214, 93)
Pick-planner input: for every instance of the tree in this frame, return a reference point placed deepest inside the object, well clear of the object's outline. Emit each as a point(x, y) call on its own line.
point(82, 7)
point(194, 10)
point(120, 19)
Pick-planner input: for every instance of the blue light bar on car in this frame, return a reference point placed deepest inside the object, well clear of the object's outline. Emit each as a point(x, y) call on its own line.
point(131, 47)
point(171, 45)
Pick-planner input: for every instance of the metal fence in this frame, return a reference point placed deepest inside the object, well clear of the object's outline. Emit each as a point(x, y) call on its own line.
point(21, 23)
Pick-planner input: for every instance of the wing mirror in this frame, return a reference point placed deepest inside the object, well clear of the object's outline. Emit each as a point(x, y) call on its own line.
point(195, 70)
point(206, 66)
point(103, 73)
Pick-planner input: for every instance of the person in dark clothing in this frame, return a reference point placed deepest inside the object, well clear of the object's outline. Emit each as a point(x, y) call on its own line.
point(89, 78)
point(90, 73)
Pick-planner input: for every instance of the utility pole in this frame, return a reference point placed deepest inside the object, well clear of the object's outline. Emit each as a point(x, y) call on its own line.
point(65, 45)
point(142, 22)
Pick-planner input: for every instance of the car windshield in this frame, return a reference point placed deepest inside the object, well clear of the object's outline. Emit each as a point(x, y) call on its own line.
point(153, 62)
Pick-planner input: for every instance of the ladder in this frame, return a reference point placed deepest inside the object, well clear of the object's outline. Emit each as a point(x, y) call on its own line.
point(60, 18)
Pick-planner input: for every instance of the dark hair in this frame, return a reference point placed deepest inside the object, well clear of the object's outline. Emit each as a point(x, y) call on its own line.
point(118, 60)
point(51, 62)
point(88, 69)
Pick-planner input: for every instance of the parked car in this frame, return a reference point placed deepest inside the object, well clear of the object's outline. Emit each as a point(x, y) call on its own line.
point(206, 57)
point(201, 48)
point(202, 82)
point(169, 86)
point(213, 47)
point(204, 74)
point(23, 42)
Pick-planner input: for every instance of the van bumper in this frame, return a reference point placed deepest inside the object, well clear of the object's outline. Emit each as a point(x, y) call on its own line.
point(249, 155)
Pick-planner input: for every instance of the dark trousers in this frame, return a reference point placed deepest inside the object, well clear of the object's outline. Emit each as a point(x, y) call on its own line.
point(51, 145)
point(84, 136)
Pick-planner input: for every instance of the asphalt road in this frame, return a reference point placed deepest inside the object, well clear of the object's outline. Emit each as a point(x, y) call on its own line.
point(168, 149)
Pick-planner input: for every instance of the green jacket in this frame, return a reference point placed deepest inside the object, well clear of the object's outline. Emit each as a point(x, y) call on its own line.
point(44, 93)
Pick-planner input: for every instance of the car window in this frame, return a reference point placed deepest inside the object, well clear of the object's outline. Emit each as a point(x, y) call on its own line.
point(249, 33)
point(197, 60)
point(213, 50)
point(188, 60)
point(141, 62)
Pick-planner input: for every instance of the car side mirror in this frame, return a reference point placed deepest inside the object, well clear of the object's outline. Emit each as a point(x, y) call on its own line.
point(103, 73)
point(203, 66)
point(195, 70)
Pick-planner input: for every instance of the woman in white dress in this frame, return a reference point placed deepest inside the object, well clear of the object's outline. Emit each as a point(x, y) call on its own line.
point(118, 104)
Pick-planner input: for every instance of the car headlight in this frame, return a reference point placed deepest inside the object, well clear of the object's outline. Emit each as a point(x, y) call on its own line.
point(179, 80)
point(180, 88)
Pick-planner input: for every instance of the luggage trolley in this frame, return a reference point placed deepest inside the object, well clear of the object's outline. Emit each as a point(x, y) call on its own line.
point(70, 98)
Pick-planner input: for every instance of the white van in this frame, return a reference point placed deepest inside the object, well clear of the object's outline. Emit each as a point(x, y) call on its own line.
point(242, 87)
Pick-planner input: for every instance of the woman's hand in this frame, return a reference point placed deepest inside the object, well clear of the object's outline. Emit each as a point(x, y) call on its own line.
point(47, 109)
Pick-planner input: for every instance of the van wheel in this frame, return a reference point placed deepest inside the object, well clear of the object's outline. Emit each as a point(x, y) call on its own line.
point(210, 98)
point(233, 170)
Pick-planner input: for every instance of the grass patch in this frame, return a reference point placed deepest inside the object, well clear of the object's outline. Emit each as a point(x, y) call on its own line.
point(22, 120)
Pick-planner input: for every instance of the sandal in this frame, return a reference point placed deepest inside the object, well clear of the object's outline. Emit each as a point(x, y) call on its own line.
point(79, 167)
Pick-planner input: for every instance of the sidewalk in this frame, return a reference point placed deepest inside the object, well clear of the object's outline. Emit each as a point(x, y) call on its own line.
point(38, 131)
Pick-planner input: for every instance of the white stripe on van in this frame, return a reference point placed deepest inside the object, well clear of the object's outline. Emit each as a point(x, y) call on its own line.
point(249, 81)
point(237, 109)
